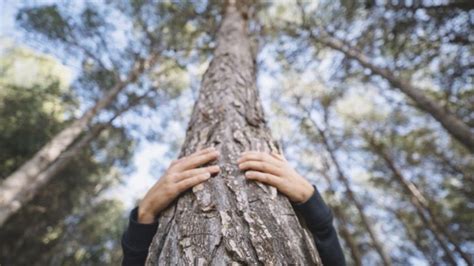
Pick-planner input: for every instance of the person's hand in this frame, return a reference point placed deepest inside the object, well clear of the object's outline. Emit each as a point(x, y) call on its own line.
point(273, 169)
point(181, 175)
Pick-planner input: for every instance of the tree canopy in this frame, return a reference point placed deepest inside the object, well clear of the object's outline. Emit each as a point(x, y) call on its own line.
point(373, 101)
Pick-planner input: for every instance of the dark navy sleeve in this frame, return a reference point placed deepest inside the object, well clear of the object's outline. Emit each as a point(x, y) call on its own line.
point(319, 219)
point(136, 240)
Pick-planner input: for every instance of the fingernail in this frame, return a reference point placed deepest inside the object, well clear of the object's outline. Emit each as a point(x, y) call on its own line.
point(207, 175)
point(215, 168)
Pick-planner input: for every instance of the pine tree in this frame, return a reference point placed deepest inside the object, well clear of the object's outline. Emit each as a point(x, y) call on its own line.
point(228, 219)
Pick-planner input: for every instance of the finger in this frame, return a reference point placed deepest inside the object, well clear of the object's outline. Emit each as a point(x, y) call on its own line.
point(196, 161)
point(278, 156)
point(202, 151)
point(258, 156)
point(269, 179)
point(199, 152)
point(193, 172)
point(191, 182)
point(261, 167)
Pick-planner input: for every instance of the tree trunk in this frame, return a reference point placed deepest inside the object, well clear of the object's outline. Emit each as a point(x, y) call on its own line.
point(343, 224)
point(22, 184)
point(28, 191)
point(356, 256)
point(421, 205)
point(454, 125)
point(229, 220)
point(418, 239)
point(351, 196)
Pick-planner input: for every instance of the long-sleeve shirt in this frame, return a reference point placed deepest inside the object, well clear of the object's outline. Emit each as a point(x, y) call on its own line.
point(317, 215)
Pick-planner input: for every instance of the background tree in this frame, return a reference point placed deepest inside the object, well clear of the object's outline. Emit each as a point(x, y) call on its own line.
point(31, 116)
point(426, 44)
point(101, 157)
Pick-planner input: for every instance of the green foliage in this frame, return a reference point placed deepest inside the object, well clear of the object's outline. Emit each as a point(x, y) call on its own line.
point(416, 43)
point(26, 124)
point(98, 244)
point(427, 45)
point(74, 227)
point(29, 116)
point(46, 20)
point(92, 19)
point(65, 230)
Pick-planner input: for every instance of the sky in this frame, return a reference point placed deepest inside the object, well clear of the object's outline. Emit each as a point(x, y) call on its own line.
point(137, 183)
point(7, 18)
point(150, 158)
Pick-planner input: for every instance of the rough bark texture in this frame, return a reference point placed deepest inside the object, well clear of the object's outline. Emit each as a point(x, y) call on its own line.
point(23, 184)
point(229, 220)
point(453, 124)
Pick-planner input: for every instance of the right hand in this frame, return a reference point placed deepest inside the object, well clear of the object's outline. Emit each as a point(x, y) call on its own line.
point(181, 175)
point(275, 170)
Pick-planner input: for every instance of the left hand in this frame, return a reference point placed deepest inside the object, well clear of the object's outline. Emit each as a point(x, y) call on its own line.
point(273, 169)
point(180, 176)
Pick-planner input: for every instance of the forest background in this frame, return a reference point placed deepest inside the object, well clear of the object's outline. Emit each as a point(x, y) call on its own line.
point(334, 77)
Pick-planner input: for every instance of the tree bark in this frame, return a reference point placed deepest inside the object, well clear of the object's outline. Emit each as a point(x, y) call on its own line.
point(350, 194)
point(27, 192)
point(421, 205)
point(228, 220)
point(454, 125)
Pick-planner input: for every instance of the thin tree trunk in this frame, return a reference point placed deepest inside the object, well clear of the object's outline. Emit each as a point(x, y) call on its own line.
point(449, 6)
point(415, 236)
point(421, 204)
point(454, 125)
point(349, 193)
point(229, 220)
point(356, 256)
point(26, 193)
point(343, 224)
point(454, 168)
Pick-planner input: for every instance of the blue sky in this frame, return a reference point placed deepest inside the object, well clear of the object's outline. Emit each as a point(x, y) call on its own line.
point(135, 184)
point(150, 158)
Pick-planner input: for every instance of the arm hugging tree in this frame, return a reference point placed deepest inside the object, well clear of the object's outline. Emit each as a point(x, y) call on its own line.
point(228, 218)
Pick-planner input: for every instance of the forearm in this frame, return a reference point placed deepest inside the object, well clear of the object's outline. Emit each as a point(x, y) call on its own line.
point(319, 219)
point(136, 240)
